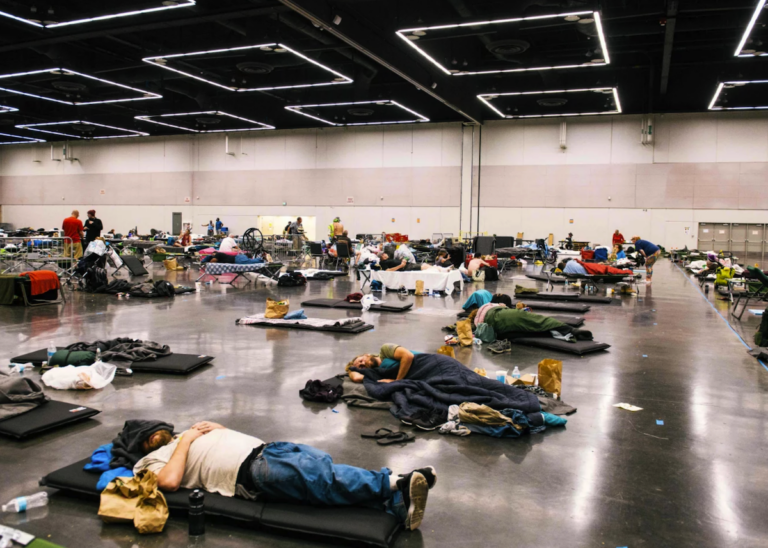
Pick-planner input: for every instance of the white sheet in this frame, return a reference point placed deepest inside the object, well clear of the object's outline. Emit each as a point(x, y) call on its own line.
point(433, 281)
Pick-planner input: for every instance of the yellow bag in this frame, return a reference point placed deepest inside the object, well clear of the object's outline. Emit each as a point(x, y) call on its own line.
point(481, 372)
point(446, 350)
point(419, 287)
point(464, 332)
point(276, 310)
point(551, 376)
point(171, 264)
point(135, 499)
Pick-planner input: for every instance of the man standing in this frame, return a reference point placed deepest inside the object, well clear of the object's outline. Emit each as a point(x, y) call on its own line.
point(650, 251)
point(219, 225)
point(73, 232)
point(297, 234)
point(93, 227)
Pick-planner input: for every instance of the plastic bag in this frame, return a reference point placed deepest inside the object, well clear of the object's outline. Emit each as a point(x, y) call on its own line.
point(551, 376)
point(96, 246)
point(86, 377)
point(368, 301)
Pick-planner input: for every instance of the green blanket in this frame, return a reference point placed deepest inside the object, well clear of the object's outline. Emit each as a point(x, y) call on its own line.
point(510, 320)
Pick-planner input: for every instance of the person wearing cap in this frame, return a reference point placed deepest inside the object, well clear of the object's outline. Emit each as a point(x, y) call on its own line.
point(93, 228)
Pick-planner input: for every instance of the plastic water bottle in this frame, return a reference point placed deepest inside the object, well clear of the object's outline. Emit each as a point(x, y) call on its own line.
point(98, 354)
point(516, 373)
point(51, 351)
point(19, 368)
point(196, 513)
point(22, 504)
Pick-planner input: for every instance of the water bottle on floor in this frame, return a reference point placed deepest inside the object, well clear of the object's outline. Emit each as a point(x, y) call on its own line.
point(22, 504)
point(196, 513)
point(51, 351)
point(516, 373)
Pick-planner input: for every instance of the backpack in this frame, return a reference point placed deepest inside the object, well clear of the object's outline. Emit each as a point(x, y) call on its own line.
point(94, 279)
point(291, 279)
point(164, 289)
point(491, 274)
point(321, 391)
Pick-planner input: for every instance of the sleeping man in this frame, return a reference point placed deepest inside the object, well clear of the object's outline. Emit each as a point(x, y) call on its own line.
point(390, 355)
point(216, 459)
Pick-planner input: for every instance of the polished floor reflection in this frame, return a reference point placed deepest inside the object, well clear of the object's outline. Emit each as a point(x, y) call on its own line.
point(610, 478)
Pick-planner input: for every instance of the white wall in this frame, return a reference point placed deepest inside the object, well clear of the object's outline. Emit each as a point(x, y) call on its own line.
point(701, 168)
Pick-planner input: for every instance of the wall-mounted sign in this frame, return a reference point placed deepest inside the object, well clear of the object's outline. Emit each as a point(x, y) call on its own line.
point(393, 219)
point(570, 221)
point(102, 192)
point(418, 220)
point(350, 199)
point(187, 200)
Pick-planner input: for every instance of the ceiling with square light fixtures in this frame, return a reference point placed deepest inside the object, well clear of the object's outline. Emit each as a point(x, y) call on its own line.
point(159, 67)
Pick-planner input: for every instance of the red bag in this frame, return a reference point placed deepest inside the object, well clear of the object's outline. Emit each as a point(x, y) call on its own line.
point(587, 254)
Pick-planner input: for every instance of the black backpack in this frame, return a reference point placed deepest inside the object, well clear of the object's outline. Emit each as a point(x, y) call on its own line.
point(491, 274)
point(291, 279)
point(327, 392)
point(94, 279)
point(164, 289)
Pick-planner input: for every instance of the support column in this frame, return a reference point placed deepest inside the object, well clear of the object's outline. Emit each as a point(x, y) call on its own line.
point(470, 178)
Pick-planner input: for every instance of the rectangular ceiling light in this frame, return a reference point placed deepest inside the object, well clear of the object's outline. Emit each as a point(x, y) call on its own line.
point(143, 94)
point(161, 6)
point(488, 99)
point(162, 62)
point(38, 127)
point(741, 51)
point(153, 120)
point(21, 140)
point(412, 36)
point(4, 108)
point(732, 85)
point(300, 109)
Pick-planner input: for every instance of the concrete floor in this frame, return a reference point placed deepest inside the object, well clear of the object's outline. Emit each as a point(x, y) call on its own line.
point(610, 478)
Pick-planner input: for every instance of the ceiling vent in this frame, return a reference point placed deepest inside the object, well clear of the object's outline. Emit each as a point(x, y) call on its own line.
point(552, 101)
point(252, 67)
point(360, 111)
point(68, 87)
point(508, 48)
point(207, 120)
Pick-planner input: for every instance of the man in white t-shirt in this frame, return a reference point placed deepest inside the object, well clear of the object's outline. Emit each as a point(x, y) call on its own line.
point(211, 457)
point(228, 244)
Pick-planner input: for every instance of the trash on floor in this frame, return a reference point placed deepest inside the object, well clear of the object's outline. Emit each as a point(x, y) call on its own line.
point(627, 406)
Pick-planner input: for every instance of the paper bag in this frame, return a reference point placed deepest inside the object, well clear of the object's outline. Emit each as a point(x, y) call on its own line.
point(152, 508)
point(464, 332)
point(551, 376)
point(446, 350)
point(419, 287)
point(276, 310)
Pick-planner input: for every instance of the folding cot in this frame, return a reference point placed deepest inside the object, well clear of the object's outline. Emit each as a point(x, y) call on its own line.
point(268, 270)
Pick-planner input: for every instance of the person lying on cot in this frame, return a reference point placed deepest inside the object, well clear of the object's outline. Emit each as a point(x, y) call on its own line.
point(572, 267)
point(368, 253)
point(393, 265)
point(390, 355)
point(226, 258)
point(216, 459)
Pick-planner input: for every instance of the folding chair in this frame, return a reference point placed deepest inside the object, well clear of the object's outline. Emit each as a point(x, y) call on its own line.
point(316, 253)
point(342, 254)
point(760, 294)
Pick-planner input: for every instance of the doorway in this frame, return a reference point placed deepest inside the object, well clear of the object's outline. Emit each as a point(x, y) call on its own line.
point(176, 224)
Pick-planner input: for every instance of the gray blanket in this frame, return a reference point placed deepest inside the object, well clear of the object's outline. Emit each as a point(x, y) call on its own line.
point(19, 395)
point(124, 351)
point(355, 395)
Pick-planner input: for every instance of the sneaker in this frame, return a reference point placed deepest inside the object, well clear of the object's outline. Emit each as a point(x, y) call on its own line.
point(430, 421)
point(402, 290)
point(500, 346)
point(415, 489)
point(429, 473)
point(409, 419)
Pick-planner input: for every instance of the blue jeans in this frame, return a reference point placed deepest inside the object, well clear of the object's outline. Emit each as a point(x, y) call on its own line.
point(291, 472)
point(243, 259)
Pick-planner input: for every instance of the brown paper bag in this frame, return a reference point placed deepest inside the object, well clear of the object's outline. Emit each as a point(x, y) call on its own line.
point(171, 264)
point(276, 310)
point(551, 376)
point(419, 287)
point(464, 332)
point(152, 508)
point(446, 350)
point(119, 500)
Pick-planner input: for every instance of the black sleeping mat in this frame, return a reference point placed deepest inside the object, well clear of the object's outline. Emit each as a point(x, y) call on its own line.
point(575, 308)
point(356, 524)
point(53, 414)
point(353, 328)
point(568, 297)
point(341, 303)
point(180, 364)
point(573, 321)
point(579, 347)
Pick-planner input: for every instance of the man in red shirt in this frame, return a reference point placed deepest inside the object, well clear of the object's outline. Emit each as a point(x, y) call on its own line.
point(73, 229)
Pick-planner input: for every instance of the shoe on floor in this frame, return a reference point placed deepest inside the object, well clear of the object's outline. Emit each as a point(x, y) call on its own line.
point(430, 421)
point(409, 419)
point(415, 490)
point(500, 346)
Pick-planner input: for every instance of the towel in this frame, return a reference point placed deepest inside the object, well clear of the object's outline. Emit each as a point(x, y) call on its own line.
point(42, 281)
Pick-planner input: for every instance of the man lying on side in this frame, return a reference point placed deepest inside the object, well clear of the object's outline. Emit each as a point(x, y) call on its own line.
point(216, 459)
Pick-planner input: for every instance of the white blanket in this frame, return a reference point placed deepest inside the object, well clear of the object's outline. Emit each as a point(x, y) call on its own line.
point(433, 281)
point(314, 322)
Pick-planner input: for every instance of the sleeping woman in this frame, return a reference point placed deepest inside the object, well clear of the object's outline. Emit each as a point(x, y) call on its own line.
point(390, 356)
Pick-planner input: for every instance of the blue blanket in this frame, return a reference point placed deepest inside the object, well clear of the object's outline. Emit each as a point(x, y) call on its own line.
point(478, 299)
point(436, 381)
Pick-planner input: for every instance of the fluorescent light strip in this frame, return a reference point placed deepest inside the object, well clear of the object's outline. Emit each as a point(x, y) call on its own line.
point(486, 96)
point(186, 4)
point(26, 140)
point(153, 60)
point(719, 90)
point(598, 23)
point(4, 108)
point(421, 118)
point(209, 113)
point(748, 30)
point(68, 72)
point(33, 127)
